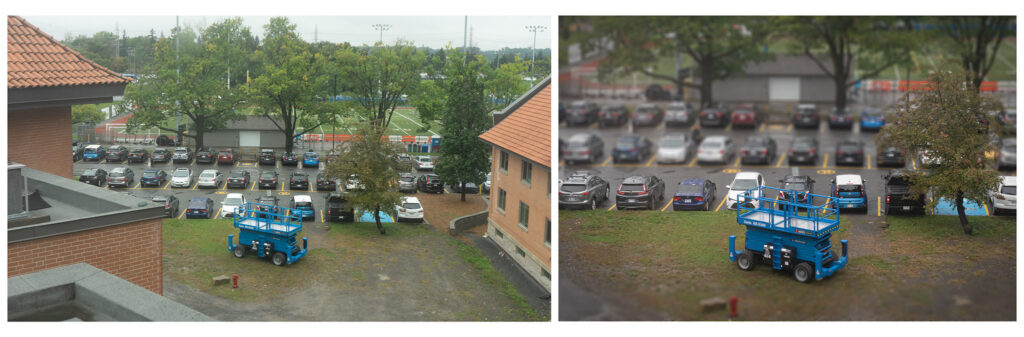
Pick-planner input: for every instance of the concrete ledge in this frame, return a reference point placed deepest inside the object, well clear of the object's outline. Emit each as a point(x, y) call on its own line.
point(464, 222)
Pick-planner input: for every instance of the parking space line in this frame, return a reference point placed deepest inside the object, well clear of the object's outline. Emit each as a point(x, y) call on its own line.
point(692, 162)
point(761, 129)
point(322, 216)
point(789, 127)
point(182, 213)
point(253, 188)
point(856, 128)
point(879, 206)
point(610, 208)
point(592, 126)
point(986, 208)
point(737, 163)
point(666, 206)
point(821, 128)
point(605, 163)
point(137, 185)
point(728, 127)
point(195, 184)
point(721, 203)
point(824, 162)
point(869, 160)
point(781, 158)
point(651, 160)
point(694, 127)
point(218, 212)
point(913, 164)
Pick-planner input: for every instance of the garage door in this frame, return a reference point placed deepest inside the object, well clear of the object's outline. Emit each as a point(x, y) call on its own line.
point(784, 89)
point(249, 139)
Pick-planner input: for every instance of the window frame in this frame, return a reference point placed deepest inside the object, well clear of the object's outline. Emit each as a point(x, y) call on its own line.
point(501, 201)
point(503, 162)
point(525, 226)
point(526, 173)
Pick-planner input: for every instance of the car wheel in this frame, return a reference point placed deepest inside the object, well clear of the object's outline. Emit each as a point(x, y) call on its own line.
point(238, 251)
point(607, 190)
point(803, 272)
point(745, 261)
point(279, 259)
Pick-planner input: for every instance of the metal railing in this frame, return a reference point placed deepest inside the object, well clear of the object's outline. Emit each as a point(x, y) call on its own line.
point(755, 207)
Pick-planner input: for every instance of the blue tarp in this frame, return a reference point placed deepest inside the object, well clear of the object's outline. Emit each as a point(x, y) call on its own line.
point(946, 207)
point(368, 217)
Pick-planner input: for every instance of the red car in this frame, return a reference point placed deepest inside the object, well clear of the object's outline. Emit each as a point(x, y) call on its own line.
point(745, 115)
point(226, 156)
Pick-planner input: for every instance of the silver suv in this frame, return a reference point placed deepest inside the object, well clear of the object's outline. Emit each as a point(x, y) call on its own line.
point(583, 190)
point(407, 183)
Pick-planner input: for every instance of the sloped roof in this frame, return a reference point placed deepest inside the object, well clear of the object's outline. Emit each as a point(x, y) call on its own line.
point(526, 131)
point(36, 60)
point(801, 65)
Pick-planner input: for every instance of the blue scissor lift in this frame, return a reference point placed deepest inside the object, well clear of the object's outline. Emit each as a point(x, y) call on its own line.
point(268, 230)
point(796, 237)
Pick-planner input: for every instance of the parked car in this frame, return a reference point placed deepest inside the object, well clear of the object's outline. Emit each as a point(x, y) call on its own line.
point(758, 150)
point(1004, 198)
point(694, 194)
point(674, 148)
point(407, 183)
point(116, 154)
point(850, 191)
point(583, 190)
point(164, 140)
point(1008, 118)
point(182, 177)
point(648, 114)
point(269, 203)
point(803, 150)
point(310, 159)
point(840, 118)
point(182, 155)
point(747, 115)
point(210, 178)
point(153, 177)
point(338, 208)
point(679, 114)
point(231, 203)
point(410, 209)
point(121, 176)
point(298, 181)
point(94, 176)
point(639, 192)
point(424, 163)
point(289, 159)
point(586, 147)
point(890, 156)
point(872, 119)
point(614, 114)
point(633, 148)
point(325, 184)
point(205, 156)
point(743, 182)
point(850, 152)
point(77, 151)
point(718, 149)
point(897, 194)
point(303, 206)
point(581, 112)
point(403, 158)
point(199, 207)
point(268, 179)
point(160, 155)
point(238, 179)
point(170, 203)
point(1007, 156)
point(267, 157)
point(430, 183)
point(487, 184)
point(806, 116)
point(138, 155)
point(94, 152)
point(227, 157)
point(803, 185)
point(714, 115)
point(458, 187)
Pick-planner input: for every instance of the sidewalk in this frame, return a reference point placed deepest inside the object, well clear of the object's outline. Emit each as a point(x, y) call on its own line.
point(538, 297)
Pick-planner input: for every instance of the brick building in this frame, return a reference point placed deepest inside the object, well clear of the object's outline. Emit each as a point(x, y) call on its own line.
point(52, 220)
point(519, 218)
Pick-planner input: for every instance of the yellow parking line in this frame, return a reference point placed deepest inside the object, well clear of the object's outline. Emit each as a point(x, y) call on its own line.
point(694, 127)
point(694, 161)
point(592, 126)
point(824, 162)
point(137, 185)
point(721, 203)
point(168, 184)
point(218, 212)
point(195, 184)
point(821, 128)
point(737, 163)
point(253, 188)
point(728, 127)
point(913, 164)
point(869, 160)
point(651, 160)
point(761, 129)
point(879, 206)
point(610, 208)
point(182, 213)
point(789, 127)
point(666, 206)
point(606, 161)
point(322, 216)
point(986, 208)
point(781, 158)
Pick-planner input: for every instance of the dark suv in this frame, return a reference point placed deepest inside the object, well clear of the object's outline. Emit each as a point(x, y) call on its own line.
point(586, 147)
point(583, 190)
point(325, 184)
point(138, 155)
point(289, 159)
point(170, 203)
point(850, 152)
point(117, 153)
point(205, 156)
point(267, 157)
point(806, 116)
point(581, 112)
point(648, 115)
point(758, 149)
point(804, 185)
point(94, 176)
point(897, 194)
point(298, 180)
point(430, 183)
point(160, 155)
point(716, 115)
point(803, 150)
point(640, 192)
point(614, 114)
point(238, 179)
point(268, 179)
point(840, 118)
point(891, 156)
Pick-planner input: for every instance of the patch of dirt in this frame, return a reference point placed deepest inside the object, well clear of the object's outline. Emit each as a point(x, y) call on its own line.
point(440, 209)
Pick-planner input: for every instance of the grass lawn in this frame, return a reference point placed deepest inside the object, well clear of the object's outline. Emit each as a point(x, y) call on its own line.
point(670, 261)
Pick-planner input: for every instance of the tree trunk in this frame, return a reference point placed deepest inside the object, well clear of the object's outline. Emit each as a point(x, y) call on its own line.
point(376, 216)
point(706, 76)
point(462, 190)
point(961, 212)
point(289, 142)
point(840, 81)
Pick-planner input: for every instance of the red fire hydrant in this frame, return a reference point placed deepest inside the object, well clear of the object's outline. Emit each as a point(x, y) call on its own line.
point(733, 301)
point(234, 281)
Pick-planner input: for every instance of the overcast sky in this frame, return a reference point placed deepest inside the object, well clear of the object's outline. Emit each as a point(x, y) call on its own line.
point(488, 32)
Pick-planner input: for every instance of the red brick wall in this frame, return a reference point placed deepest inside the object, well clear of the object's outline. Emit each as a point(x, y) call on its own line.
point(41, 139)
point(535, 196)
point(131, 251)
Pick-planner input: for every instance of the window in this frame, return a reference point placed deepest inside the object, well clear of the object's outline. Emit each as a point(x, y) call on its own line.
point(503, 164)
point(527, 173)
point(499, 233)
point(501, 200)
point(520, 252)
point(545, 273)
point(524, 216)
point(591, 183)
point(547, 232)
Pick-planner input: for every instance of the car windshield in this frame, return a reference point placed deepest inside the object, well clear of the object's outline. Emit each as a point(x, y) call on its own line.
point(408, 179)
point(1008, 190)
point(689, 189)
point(796, 186)
point(224, 153)
point(574, 188)
point(298, 176)
point(311, 155)
point(578, 141)
point(138, 151)
point(303, 204)
point(149, 174)
point(849, 188)
point(578, 104)
point(711, 144)
point(208, 175)
point(673, 142)
point(901, 181)
point(626, 143)
point(233, 201)
point(197, 203)
point(89, 172)
point(1012, 148)
point(848, 147)
point(237, 174)
point(159, 151)
point(802, 146)
point(267, 201)
point(647, 109)
point(411, 205)
point(182, 173)
point(180, 151)
point(892, 149)
point(743, 184)
point(159, 199)
point(632, 188)
point(90, 150)
point(116, 173)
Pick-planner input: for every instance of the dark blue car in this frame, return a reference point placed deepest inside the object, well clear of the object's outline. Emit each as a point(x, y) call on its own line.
point(199, 207)
point(631, 148)
point(694, 194)
point(310, 159)
point(153, 177)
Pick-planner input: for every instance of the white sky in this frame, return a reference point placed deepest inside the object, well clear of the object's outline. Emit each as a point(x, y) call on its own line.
point(488, 32)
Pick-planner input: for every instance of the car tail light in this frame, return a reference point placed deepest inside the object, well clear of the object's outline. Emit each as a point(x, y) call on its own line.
point(619, 191)
point(764, 151)
point(790, 151)
point(585, 152)
point(560, 193)
point(719, 114)
point(721, 151)
point(585, 193)
point(887, 199)
point(703, 113)
point(860, 152)
point(676, 199)
point(743, 152)
point(839, 152)
point(167, 205)
point(699, 199)
point(811, 151)
point(782, 195)
point(564, 152)
point(632, 149)
point(328, 211)
point(1000, 196)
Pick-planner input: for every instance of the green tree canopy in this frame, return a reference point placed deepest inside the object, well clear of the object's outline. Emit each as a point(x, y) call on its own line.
point(976, 40)
point(380, 76)
point(87, 113)
point(371, 159)
point(464, 157)
point(505, 83)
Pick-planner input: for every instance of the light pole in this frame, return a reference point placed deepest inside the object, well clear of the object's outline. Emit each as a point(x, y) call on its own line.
point(533, 53)
point(381, 27)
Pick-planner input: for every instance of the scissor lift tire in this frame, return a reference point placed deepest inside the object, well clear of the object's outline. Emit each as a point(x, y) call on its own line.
point(279, 259)
point(239, 251)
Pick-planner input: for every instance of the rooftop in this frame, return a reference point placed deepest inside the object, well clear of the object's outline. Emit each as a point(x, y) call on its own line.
point(526, 131)
point(35, 60)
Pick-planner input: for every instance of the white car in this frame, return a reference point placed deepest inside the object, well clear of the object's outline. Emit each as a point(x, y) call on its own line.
point(353, 184)
point(487, 184)
point(743, 182)
point(231, 203)
point(424, 163)
point(1004, 198)
point(410, 209)
point(182, 177)
point(928, 160)
point(210, 178)
point(674, 148)
point(718, 149)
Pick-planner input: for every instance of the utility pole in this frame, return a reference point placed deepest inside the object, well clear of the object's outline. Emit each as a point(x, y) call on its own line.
point(381, 27)
point(177, 72)
point(315, 34)
point(533, 52)
point(117, 41)
point(465, 27)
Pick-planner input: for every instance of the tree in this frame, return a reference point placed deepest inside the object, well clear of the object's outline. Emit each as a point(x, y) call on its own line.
point(371, 159)
point(464, 156)
point(190, 82)
point(506, 83)
point(873, 43)
point(292, 85)
point(971, 37)
point(719, 46)
point(429, 100)
point(86, 113)
point(380, 76)
point(942, 120)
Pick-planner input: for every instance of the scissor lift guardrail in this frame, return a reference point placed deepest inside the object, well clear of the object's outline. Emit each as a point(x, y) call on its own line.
point(801, 218)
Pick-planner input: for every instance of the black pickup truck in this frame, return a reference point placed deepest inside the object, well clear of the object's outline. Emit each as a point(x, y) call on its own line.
point(338, 209)
point(897, 194)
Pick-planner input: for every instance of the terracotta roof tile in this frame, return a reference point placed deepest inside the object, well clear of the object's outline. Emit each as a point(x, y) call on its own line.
point(35, 59)
point(526, 131)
